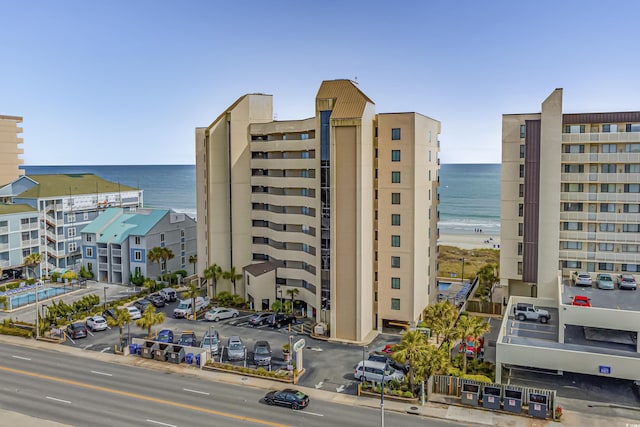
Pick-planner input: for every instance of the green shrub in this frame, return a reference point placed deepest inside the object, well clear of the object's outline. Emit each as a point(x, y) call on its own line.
point(408, 394)
point(237, 301)
point(18, 332)
point(13, 285)
point(224, 298)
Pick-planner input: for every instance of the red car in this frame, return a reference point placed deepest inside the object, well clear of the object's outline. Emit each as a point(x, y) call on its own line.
point(470, 349)
point(388, 348)
point(581, 301)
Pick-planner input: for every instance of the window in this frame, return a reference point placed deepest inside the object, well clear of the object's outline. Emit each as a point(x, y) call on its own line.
point(162, 237)
point(521, 171)
point(395, 155)
point(627, 208)
point(395, 303)
point(609, 148)
point(632, 188)
point(573, 168)
point(395, 134)
point(572, 188)
point(630, 228)
point(572, 226)
point(606, 226)
point(607, 188)
point(573, 207)
point(304, 136)
point(395, 177)
point(522, 151)
point(630, 267)
point(607, 207)
point(630, 248)
point(395, 262)
point(71, 217)
point(523, 131)
point(520, 248)
point(89, 252)
point(521, 190)
point(71, 232)
point(305, 210)
point(520, 229)
point(395, 219)
point(575, 129)
point(519, 267)
point(632, 148)
point(395, 241)
point(72, 247)
point(137, 240)
point(605, 247)
point(605, 266)
point(571, 264)
point(89, 238)
point(608, 168)
point(632, 127)
point(137, 255)
point(574, 148)
point(395, 198)
point(571, 245)
point(395, 283)
point(85, 216)
point(606, 128)
point(632, 168)
point(521, 210)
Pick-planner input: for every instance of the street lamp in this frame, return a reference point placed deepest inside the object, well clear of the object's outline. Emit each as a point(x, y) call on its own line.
point(210, 342)
point(462, 259)
point(362, 378)
point(105, 298)
point(382, 401)
point(280, 292)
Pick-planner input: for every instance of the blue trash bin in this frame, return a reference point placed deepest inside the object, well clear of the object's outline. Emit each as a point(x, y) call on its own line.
point(189, 358)
point(197, 359)
point(132, 348)
point(138, 349)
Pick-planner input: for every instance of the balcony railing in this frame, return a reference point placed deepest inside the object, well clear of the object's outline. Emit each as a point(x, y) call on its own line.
point(4, 229)
point(601, 137)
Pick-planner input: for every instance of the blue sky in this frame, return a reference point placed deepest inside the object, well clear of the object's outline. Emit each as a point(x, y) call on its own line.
point(126, 82)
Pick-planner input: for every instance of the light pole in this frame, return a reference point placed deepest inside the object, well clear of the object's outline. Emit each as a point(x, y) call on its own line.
point(210, 342)
point(462, 259)
point(280, 292)
point(105, 298)
point(362, 378)
point(382, 402)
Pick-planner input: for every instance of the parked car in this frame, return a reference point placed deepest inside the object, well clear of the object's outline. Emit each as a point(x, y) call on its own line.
point(472, 348)
point(635, 386)
point(97, 323)
point(220, 313)
point(156, 300)
point(604, 281)
point(262, 353)
point(142, 304)
point(259, 319)
point(169, 294)
point(109, 312)
point(188, 339)
point(375, 371)
point(184, 309)
point(388, 348)
point(288, 397)
point(627, 281)
point(166, 336)
point(581, 279)
point(581, 301)
point(525, 311)
point(211, 342)
point(235, 348)
point(386, 358)
point(279, 320)
point(77, 330)
point(134, 312)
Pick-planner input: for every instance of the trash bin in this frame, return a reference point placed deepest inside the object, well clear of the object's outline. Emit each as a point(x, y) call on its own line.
point(197, 359)
point(491, 397)
point(133, 348)
point(148, 348)
point(470, 394)
point(538, 405)
point(161, 352)
point(189, 358)
point(175, 353)
point(513, 400)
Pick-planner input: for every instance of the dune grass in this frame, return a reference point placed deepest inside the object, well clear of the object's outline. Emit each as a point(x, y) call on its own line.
point(450, 260)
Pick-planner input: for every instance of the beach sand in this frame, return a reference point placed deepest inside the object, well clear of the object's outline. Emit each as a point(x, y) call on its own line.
point(470, 241)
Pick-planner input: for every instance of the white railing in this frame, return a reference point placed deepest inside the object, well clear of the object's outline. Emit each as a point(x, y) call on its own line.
point(601, 137)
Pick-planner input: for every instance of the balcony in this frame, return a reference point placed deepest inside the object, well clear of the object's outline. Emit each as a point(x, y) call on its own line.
point(601, 137)
point(4, 247)
point(610, 237)
point(30, 243)
point(103, 252)
point(103, 266)
point(4, 229)
point(600, 256)
point(116, 252)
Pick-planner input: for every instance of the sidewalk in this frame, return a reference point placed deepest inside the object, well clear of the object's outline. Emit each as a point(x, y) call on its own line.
point(439, 407)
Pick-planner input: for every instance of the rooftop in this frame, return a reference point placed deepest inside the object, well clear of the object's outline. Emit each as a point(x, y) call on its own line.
point(71, 184)
point(14, 208)
point(115, 225)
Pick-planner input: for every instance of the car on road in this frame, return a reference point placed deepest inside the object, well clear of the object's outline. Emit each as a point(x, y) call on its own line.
point(211, 342)
point(627, 281)
point(96, 323)
point(581, 301)
point(279, 320)
point(376, 371)
point(259, 319)
point(156, 300)
point(165, 336)
point(76, 330)
point(235, 348)
point(169, 294)
point(220, 313)
point(604, 281)
point(134, 312)
point(288, 397)
point(581, 279)
point(188, 339)
point(262, 353)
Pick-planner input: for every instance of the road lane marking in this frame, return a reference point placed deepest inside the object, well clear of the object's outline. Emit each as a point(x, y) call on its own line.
point(310, 413)
point(20, 357)
point(58, 400)
point(105, 349)
point(196, 391)
point(161, 423)
point(101, 373)
point(87, 346)
point(143, 397)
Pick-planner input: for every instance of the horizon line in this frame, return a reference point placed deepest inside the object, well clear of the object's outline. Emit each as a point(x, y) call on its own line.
point(193, 164)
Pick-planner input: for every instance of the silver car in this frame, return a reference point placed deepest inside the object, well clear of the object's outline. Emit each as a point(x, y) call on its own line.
point(235, 348)
point(211, 342)
point(604, 281)
point(582, 279)
point(627, 281)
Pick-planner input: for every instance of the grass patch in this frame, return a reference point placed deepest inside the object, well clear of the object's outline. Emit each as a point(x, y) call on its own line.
point(449, 260)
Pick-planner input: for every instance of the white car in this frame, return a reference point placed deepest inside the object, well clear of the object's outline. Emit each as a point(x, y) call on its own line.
point(219, 313)
point(97, 323)
point(134, 312)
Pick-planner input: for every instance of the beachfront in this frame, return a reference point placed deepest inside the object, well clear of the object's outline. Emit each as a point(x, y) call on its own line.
point(470, 241)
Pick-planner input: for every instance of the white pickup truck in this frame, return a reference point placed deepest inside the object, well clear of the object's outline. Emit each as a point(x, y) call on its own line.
point(184, 309)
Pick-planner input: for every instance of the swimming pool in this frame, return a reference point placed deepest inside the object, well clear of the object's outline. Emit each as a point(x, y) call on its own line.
point(30, 297)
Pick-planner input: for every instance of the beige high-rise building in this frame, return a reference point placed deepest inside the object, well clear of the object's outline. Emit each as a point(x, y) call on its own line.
point(10, 149)
point(337, 212)
point(570, 196)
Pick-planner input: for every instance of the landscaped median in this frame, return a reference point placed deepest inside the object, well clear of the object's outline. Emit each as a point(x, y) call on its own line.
point(280, 375)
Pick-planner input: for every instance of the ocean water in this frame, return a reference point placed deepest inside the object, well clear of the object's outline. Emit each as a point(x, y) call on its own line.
point(469, 194)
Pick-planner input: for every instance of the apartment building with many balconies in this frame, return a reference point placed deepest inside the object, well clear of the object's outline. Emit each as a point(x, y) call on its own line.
point(10, 149)
point(340, 207)
point(19, 236)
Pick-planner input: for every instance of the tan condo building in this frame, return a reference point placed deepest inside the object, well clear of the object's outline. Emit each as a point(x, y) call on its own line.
point(337, 212)
point(10, 149)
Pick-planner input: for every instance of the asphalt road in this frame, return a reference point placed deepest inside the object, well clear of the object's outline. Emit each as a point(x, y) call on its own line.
point(86, 392)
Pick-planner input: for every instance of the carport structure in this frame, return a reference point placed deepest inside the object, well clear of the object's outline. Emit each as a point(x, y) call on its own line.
point(599, 340)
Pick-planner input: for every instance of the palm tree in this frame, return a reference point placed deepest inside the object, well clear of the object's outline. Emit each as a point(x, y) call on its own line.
point(232, 276)
point(32, 260)
point(122, 318)
point(472, 327)
point(149, 319)
point(412, 349)
point(436, 361)
point(488, 274)
point(166, 254)
point(293, 292)
point(193, 259)
point(213, 272)
point(160, 255)
point(192, 292)
point(441, 318)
